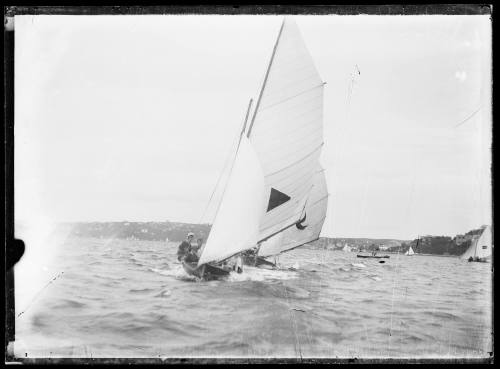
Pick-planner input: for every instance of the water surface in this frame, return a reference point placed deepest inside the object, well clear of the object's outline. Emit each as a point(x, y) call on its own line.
point(123, 298)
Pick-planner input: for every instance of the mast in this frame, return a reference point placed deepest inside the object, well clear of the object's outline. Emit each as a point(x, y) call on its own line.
point(236, 225)
point(265, 78)
point(236, 153)
point(246, 117)
point(240, 199)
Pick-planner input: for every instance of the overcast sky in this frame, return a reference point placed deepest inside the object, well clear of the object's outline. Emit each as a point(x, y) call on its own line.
point(132, 117)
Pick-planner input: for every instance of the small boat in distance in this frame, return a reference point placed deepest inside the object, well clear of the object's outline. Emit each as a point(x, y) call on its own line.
point(373, 256)
point(410, 252)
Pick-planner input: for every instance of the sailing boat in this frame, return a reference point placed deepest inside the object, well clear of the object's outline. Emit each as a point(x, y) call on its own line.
point(481, 247)
point(410, 252)
point(276, 183)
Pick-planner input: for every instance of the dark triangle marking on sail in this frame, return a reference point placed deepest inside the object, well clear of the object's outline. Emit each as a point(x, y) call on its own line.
point(299, 224)
point(276, 199)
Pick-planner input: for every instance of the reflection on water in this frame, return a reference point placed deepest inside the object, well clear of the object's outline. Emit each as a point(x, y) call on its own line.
point(124, 298)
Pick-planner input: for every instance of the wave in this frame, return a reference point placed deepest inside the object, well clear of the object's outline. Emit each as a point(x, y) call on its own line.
point(249, 274)
point(165, 293)
point(64, 304)
point(358, 265)
point(442, 315)
point(295, 293)
point(40, 321)
point(168, 272)
point(110, 277)
point(136, 262)
point(260, 275)
point(176, 272)
point(141, 290)
point(119, 315)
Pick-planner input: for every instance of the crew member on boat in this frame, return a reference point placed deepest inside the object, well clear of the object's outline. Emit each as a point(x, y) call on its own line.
point(185, 247)
point(238, 264)
point(193, 254)
point(250, 256)
point(199, 244)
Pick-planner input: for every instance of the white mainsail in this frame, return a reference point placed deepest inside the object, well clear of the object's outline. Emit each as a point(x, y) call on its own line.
point(286, 130)
point(410, 251)
point(236, 226)
point(309, 229)
point(346, 249)
point(481, 246)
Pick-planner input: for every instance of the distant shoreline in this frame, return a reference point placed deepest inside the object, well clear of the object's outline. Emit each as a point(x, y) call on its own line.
point(176, 232)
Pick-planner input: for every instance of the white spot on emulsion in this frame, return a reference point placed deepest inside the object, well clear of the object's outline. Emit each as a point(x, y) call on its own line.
point(461, 75)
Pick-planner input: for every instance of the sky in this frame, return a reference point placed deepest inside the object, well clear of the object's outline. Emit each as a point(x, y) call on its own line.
point(134, 117)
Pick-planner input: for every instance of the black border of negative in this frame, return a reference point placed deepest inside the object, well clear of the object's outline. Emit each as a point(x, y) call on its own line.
point(14, 249)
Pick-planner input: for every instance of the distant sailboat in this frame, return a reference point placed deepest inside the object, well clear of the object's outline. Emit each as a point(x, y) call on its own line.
point(481, 247)
point(276, 195)
point(410, 252)
point(346, 249)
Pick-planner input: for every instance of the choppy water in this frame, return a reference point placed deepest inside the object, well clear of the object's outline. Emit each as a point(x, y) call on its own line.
point(124, 298)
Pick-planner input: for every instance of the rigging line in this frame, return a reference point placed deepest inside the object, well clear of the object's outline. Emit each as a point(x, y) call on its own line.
point(265, 79)
point(289, 118)
point(279, 231)
point(39, 292)
point(228, 157)
point(216, 185)
point(469, 117)
point(294, 247)
point(295, 162)
point(230, 170)
point(294, 96)
point(290, 140)
point(292, 83)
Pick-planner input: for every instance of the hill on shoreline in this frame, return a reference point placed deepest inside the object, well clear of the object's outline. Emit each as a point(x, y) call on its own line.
point(176, 232)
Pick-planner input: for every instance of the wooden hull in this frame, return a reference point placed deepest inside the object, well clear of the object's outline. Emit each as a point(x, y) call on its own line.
point(374, 257)
point(206, 272)
point(257, 261)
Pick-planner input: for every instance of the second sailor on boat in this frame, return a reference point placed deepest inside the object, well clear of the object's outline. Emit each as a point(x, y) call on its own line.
point(189, 255)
